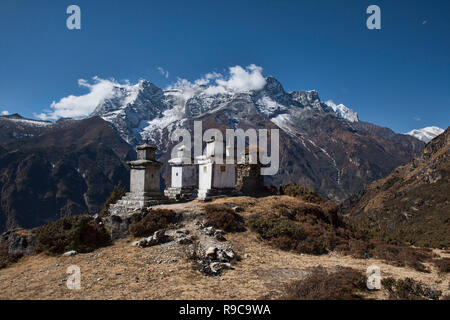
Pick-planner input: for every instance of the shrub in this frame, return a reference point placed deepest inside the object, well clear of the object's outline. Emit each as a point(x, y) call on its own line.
point(409, 289)
point(273, 190)
point(305, 229)
point(298, 191)
point(402, 255)
point(331, 212)
point(321, 229)
point(344, 284)
point(154, 220)
point(443, 265)
point(224, 218)
point(80, 233)
point(301, 212)
point(5, 257)
point(117, 194)
point(398, 255)
point(281, 232)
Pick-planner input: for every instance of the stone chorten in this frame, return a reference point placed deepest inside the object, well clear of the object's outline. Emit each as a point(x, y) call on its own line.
point(249, 179)
point(184, 179)
point(215, 179)
point(144, 182)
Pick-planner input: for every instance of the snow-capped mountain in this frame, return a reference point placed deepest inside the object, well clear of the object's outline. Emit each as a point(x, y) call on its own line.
point(131, 108)
point(343, 111)
point(14, 126)
point(144, 111)
point(322, 145)
point(426, 134)
point(18, 119)
point(70, 166)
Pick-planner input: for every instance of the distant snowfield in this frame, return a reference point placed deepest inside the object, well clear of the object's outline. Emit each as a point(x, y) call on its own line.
point(29, 122)
point(343, 111)
point(426, 134)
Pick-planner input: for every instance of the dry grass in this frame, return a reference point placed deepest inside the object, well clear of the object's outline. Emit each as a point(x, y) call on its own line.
point(134, 273)
point(443, 265)
point(263, 274)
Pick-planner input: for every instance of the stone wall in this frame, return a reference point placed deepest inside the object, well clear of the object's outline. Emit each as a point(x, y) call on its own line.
point(249, 178)
point(224, 176)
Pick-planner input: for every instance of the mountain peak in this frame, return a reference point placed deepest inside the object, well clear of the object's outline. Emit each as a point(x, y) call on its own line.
point(147, 85)
point(15, 117)
point(343, 112)
point(12, 116)
point(426, 134)
point(273, 86)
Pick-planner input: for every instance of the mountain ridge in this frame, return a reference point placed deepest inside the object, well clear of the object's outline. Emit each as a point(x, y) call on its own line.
point(411, 204)
point(69, 169)
point(318, 148)
point(152, 113)
point(426, 134)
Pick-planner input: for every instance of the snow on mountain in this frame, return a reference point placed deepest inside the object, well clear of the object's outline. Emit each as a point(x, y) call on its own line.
point(322, 145)
point(130, 108)
point(144, 111)
point(343, 112)
point(426, 134)
point(28, 122)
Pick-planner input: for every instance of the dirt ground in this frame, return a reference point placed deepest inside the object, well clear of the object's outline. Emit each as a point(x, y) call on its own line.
point(121, 271)
point(124, 272)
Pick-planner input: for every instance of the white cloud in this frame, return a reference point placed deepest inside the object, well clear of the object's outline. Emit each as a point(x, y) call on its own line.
point(5, 113)
point(83, 105)
point(244, 80)
point(165, 73)
point(238, 80)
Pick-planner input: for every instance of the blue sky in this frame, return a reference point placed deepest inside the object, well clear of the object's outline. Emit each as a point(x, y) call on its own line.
point(397, 77)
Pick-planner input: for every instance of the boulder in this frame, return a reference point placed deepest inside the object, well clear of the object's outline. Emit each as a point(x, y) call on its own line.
point(135, 243)
point(70, 253)
point(216, 267)
point(157, 238)
point(19, 242)
point(211, 252)
point(230, 254)
point(218, 234)
point(159, 235)
point(210, 231)
point(119, 224)
point(237, 209)
point(185, 240)
point(225, 255)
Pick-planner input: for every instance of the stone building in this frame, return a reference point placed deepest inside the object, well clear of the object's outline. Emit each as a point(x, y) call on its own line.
point(249, 179)
point(215, 178)
point(184, 179)
point(144, 182)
